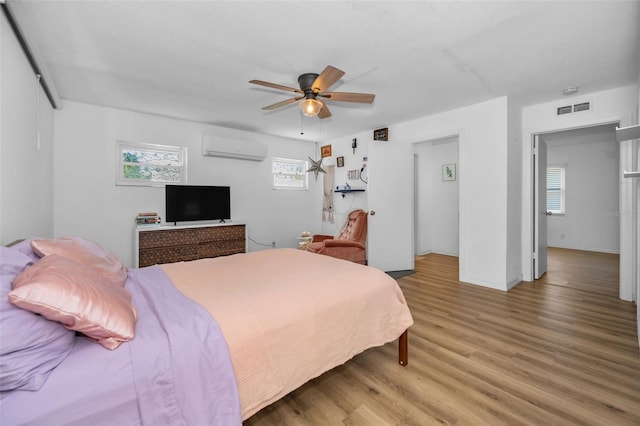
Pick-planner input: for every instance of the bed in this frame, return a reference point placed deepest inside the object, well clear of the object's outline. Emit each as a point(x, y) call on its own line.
point(215, 340)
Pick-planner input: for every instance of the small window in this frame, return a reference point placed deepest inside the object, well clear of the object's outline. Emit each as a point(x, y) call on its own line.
point(289, 174)
point(555, 189)
point(150, 165)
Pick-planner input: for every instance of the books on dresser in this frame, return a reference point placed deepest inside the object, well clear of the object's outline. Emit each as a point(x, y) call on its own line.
point(148, 218)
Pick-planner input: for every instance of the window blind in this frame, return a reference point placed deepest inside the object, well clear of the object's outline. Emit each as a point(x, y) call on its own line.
point(555, 189)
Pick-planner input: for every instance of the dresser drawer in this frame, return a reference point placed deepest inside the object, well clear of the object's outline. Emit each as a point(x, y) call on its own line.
point(221, 233)
point(167, 255)
point(221, 248)
point(178, 237)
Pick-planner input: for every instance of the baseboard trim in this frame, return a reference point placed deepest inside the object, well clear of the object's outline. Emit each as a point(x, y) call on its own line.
point(438, 252)
point(594, 250)
point(514, 282)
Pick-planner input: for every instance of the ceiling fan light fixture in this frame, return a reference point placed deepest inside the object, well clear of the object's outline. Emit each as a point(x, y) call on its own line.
point(310, 107)
point(312, 93)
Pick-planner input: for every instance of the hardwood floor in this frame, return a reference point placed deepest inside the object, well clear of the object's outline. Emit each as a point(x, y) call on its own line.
point(584, 270)
point(561, 350)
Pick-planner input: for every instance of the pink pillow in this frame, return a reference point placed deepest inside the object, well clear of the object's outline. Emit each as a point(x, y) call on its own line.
point(61, 289)
point(86, 252)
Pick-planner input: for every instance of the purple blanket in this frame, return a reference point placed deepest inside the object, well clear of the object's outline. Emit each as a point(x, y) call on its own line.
point(176, 371)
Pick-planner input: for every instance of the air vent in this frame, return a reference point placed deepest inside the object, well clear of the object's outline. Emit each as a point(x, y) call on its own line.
point(569, 109)
point(585, 106)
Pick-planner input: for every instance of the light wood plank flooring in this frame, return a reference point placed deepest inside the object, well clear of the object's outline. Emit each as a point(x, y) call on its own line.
point(583, 270)
point(560, 351)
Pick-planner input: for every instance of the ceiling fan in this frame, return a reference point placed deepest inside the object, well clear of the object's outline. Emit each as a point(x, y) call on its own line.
point(312, 90)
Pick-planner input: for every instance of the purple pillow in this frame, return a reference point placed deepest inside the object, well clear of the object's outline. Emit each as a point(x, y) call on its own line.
point(24, 246)
point(31, 346)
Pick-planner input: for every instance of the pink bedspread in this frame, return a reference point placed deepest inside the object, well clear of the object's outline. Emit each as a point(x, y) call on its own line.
point(290, 315)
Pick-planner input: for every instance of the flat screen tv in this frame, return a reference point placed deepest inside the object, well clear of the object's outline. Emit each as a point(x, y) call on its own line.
point(193, 202)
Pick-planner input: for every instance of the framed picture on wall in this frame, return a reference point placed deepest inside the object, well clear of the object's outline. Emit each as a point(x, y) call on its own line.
point(381, 134)
point(448, 172)
point(340, 161)
point(325, 151)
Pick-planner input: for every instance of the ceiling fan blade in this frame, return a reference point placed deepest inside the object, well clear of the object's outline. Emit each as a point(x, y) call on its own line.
point(327, 77)
point(275, 86)
point(363, 98)
point(282, 103)
point(324, 111)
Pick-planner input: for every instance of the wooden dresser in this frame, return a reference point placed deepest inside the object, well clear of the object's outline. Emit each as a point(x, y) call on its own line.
point(166, 244)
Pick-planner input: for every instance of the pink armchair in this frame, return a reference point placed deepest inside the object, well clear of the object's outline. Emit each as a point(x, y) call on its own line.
point(348, 244)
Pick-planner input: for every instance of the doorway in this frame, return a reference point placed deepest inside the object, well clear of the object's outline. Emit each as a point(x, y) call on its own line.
point(585, 218)
point(436, 197)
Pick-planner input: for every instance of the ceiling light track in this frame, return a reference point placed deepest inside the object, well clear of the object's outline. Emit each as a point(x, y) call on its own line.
point(37, 66)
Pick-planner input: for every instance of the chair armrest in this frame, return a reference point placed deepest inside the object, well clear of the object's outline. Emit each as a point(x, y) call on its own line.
point(317, 238)
point(343, 243)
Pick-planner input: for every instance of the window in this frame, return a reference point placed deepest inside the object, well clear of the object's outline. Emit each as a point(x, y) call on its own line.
point(555, 189)
point(150, 165)
point(289, 174)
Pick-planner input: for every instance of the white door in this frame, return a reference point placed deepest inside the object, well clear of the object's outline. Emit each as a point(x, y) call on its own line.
point(540, 207)
point(390, 199)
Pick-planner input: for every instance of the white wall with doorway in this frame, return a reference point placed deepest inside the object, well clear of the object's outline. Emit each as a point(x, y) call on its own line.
point(437, 200)
point(609, 106)
point(483, 176)
point(591, 220)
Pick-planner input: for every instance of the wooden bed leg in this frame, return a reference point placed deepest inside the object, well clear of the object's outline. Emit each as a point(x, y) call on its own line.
point(403, 348)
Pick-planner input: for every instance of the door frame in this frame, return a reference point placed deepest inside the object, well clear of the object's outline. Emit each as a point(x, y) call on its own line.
point(458, 133)
point(528, 238)
point(539, 195)
point(415, 147)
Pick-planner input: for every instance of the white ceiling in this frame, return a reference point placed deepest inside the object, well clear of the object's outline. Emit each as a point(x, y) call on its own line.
point(193, 60)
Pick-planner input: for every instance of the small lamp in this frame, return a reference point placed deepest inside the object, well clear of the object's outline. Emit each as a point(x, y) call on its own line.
point(310, 107)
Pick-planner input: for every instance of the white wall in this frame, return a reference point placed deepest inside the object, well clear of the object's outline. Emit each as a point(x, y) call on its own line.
point(87, 202)
point(614, 105)
point(514, 193)
point(591, 221)
point(483, 173)
point(636, 245)
point(352, 161)
point(437, 205)
point(26, 168)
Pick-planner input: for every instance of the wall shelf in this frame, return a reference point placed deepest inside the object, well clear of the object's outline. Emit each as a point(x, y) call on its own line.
point(627, 133)
point(347, 191)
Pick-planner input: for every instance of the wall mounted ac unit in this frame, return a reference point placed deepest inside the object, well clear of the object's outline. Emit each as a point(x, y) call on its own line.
point(220, 146)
